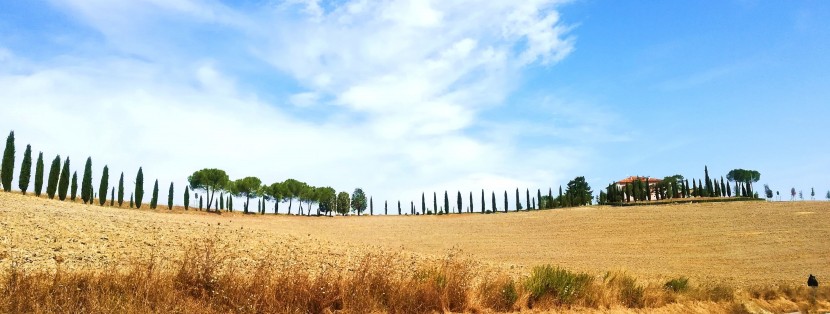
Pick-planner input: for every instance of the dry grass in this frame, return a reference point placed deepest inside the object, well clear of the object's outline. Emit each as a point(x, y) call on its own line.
point(63, 257)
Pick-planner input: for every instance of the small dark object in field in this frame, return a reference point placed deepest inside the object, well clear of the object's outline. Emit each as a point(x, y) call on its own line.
point(811, 281)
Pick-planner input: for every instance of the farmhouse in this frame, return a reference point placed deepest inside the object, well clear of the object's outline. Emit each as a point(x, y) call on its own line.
point(651, 181)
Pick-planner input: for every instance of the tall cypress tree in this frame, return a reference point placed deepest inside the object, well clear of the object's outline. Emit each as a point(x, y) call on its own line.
point(7, 172)
point(131, 200)
point(139, 189)
point(371, 206)
point(483, 206)
point(471, 201)
point(170, 197)
point(39, 174)
point(550, 198)
point(527, 200)
point(423, 203)
point(399, 208)
point(187, 198)
point(435, 202)
point(386, 208)
point(518, 201)
point(505, 201)
point(74, 189)
point(25, 170)
point(709, 190)
point(121, 189)
point(200, 203)
point(446, 203)
point(722, 188)
point(459, 201)
point(54, 173)
point(493, 201)
point(86, 182)
point(562, 198)
point(155, 199)
point(105, 185)
point(63, 184)
point(112, 197)
point(538, 197)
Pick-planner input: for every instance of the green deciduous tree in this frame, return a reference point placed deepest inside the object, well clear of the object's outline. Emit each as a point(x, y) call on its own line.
point(39, 174)
point(86, 182)
point(209, 180)
point(343, 203)
point(54, 173)
point(74, 189)
point(63, 182)
point(358, 201)
point(104, 186)
point(139, 188)
point(7, 168)
point(121, 189)
point(579, 191)
point(25, 170)
point(327, 198)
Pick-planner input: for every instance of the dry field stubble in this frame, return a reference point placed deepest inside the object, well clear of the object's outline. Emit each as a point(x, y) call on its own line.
point(763, 249)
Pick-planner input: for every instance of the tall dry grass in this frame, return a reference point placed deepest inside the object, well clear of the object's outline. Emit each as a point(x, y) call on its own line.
point(205, 281)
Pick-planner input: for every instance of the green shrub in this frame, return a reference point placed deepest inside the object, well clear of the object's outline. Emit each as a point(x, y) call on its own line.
point(677, 285)
point(563, 286)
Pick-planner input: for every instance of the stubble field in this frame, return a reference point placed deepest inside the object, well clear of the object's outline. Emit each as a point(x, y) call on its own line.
point(742, 245)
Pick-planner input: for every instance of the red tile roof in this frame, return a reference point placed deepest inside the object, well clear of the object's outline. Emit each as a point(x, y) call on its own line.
point(631, 179)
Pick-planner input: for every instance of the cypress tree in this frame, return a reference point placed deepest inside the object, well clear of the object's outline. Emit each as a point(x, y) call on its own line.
point(729, 190)
point(538, 197)
point(446, 203)
point(700, 188)
point(170, 197)
point(187, 198)
point(550, 197)
point(105, 185)
point(386, 208)
point(154, 200)
point(86, 182)
point(371, 206)
point(709, 190)
point(493, 202)
point(533, 203)
point(54, 173)
point(221, 199)
point(63, 183)
point(527, 200)
point(694, 188)
point(121, 189)
point(112, 197)
point(412, 207)
point(131, 200)
point(471, 202)
point(722, 187)
point(399, 208)
point(423, 203)
point(459, 201)
point(230, 203)
point(25, 170)
point(562, 198)
point(505, 201)
point(74, 190)
point(518, 201)
point(139, 189)
point(7, 172)
point(483, 206)
point(200, 203)
point(39, 174)
point(435, 202)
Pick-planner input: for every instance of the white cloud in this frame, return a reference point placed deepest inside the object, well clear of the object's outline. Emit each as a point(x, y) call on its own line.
point(407, 80)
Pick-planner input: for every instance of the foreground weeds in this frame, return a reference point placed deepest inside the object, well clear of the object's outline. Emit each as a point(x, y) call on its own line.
point(205, 280)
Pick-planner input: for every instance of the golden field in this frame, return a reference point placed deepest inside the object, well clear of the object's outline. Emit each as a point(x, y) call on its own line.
point(753, 247)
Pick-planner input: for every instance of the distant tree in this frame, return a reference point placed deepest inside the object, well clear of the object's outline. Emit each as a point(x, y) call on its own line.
point(328, 200)
point(74, 188)
point(435, 202)
point(209, 180)
point(63, 182)
point(471, 202)
point(767, 191)
point(121, 189)
point(527, 199)
point(39, 174)
point(800, 195)
point(386, 208)
point(792, 194)
point(743, 176)
point(533, 202)
point(562, 197)
point(579, 191)
point(200, 203)
point(399, 208)
point(186, 198)
point(709, 190)
point(139, 189)
point(277, 192)
point(483, 206)
point(154, 199)
point(131, 200)
point(247, 187)
point(7, 172)
point(812, 193)
point(358, 201)
point(777, 194)
point(603, 198)
point(505, 201)
point(423, 203)
point(25, 170)
point(459, 202)
point(446, 203)
point(723, 188)
point(54, 173)
point(343, 203)
point(828, 195)
point(112, 197)
point(518, 201)
point(538, 197)
point(230, 203)
point(292, 189)
point(102, 190)
point(371, 207)
point(493, 202)
point(170, 197)
point(86, 182)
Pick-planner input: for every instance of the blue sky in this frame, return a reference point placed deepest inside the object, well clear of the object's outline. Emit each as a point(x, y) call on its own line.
point(399, 97)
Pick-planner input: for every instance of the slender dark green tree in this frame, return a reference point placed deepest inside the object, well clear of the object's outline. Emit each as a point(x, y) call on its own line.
point(230, 203)
point(527, 200)
point(39, 174)
point(386, 208)
point(550, 198)
point(187, 198)
point(399, 208)
point(722, 188)
point(423, 203)
point(86, 182)
point(74, 189)
point(154, 200)
point(63, 182)
point(371, 207)
point(538, 197)
point(121, 189)
point(459, 202)
point(139, 189)
point(221, 200)
point(562, 197)
point(25, 170)
point(200, 203)
point(54, 173)
point(518, 201)
point(505, 201)
point(131, 200)
point(446, 203)
point(709, 189)
point(471, 202)
point(105, 185)
point(483, 205)
point(435, 202)
point(112, 197)
point(7, 172)
point(493, 202)
point(170, 197)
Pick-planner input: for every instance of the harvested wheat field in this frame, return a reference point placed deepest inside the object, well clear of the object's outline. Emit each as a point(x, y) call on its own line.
point(744, 256)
